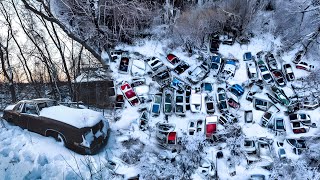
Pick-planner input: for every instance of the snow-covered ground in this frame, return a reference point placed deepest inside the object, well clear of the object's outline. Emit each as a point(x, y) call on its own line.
point(31, 156)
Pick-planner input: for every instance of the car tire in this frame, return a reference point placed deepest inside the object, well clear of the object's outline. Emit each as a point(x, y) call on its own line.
point(57, 136)
point(61, 140)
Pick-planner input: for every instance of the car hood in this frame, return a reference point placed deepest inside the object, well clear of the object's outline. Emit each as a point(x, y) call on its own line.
point(79, 118)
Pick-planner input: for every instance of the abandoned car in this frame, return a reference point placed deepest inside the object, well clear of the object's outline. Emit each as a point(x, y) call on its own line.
point(81, 130)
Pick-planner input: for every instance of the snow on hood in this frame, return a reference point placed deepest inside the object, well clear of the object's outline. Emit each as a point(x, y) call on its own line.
point(10, 107)
point(75, 117)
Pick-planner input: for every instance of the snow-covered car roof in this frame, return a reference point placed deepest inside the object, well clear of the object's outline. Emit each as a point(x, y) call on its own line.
point(138, 67)
point(79, 118)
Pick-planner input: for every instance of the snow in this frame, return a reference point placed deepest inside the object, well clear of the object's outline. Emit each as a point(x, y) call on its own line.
point(31, 156)
point(10, 107)
point(79, 118)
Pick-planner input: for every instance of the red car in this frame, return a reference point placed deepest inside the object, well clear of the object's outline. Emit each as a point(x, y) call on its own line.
point(211, 126)
point(129, 94)
point(173, 59)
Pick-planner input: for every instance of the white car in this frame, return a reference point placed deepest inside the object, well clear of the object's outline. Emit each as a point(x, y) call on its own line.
point(249, 146)
point(288, 72)
point(154, 63)
point(304, 66)
point(195, 101)
point(252, 70)
point(265, 73)
point(138, 68)
point(229, 68)
point(206, 168)
point(199, 73)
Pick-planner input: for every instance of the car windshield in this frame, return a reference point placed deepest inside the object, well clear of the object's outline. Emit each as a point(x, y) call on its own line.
point(222, 97)
point(293, 116)
point(157, 99)
point(280, 124)
point(260, 102)
point(267, 115)
point(248, 143)
point(214, 66)
point(267, 76)
point(295, 124)
point(210, 106)
point(155, 108)
point(223, 105)
point(168, 98)
point(179, 108)
point(280, 80)
point(155, 62)
point(179, 99)
point(303, 116)
point(167, 108)
point(263, 68)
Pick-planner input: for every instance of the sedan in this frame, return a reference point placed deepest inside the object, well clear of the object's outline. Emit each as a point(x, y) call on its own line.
point(304, 66)
point(279, 78)
point(182, 67)
point(173, 59)
point(267, 116)
point(209, 104)
point(195, 101)
point(271, 61)
point(154, 63)
point(199, 73)
point(180, 100)
point(279, 125)
point(222, 100)
point(130, 95)
point(298, 56)
point(265, 73)
point(236, 89)
point(156, 104)
point(124, 65)
point(287, 69)
point(167, 102)
point(216, 64)
point(81, 130)
point(138, 68)
point(247, 56)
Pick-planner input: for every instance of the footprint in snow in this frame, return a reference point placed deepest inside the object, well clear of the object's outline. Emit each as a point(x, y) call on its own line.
point(5, 152)
point(42, 160)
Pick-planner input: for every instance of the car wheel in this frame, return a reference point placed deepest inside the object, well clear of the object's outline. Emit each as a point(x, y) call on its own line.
point(61, 140)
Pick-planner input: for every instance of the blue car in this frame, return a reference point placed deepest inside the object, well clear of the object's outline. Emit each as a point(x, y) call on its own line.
point(237, 90)
point(247, 56)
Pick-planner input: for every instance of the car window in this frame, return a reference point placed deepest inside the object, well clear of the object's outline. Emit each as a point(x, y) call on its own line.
point(20, 108)
point(155, 62)
point(30, 108)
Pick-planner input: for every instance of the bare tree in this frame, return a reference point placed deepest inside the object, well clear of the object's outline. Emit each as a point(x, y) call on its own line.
point(7, 69)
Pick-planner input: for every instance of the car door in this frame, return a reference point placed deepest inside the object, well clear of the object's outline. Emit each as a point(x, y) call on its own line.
point(20, 118)
point(31, 113)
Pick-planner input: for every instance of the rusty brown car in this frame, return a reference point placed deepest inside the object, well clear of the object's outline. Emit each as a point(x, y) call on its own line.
point(81, 130)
